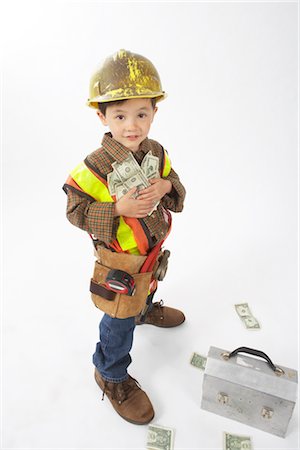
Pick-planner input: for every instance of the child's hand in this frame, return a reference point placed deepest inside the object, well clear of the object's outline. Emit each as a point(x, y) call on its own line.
point(133, 207)
point(154, 193)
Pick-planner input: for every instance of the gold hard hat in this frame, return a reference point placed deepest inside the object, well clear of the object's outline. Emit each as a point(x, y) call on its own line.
point(122, 76)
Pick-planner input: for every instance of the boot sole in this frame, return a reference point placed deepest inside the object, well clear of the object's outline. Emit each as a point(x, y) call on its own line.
point(160, 326)
point(125, 418)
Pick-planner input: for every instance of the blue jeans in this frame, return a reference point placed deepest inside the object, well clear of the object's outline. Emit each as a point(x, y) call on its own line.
point(112, 357)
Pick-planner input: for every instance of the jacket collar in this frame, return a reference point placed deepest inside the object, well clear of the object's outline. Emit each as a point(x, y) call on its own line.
point(118, 151)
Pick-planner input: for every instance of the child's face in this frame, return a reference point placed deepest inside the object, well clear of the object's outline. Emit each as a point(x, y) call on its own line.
point(129, 121)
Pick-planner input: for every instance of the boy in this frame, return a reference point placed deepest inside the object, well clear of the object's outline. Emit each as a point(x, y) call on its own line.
point(121, 195)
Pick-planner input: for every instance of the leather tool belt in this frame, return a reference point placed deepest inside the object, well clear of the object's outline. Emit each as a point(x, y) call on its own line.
point(114, 304)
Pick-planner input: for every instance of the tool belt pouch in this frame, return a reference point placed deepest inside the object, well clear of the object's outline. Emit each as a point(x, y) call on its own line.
point(116, 305)
point(250, 390)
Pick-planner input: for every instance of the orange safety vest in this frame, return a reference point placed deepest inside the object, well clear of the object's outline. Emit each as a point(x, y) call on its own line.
point(131, 237)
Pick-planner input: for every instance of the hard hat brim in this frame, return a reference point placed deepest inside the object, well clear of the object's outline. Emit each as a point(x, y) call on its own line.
point(93, 102)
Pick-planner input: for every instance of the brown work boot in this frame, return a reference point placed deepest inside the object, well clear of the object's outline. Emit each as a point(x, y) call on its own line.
point(128, 399)
point(162, 316)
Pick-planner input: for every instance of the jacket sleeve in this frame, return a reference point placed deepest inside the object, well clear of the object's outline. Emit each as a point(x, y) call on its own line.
point(96, 218)
point(174, 200)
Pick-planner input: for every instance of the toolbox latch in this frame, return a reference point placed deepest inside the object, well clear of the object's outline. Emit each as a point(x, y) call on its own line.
point(223, 398)
point(267, 413)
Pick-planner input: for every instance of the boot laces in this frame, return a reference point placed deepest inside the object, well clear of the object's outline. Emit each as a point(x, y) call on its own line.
point(120, 391)
point(160, 306)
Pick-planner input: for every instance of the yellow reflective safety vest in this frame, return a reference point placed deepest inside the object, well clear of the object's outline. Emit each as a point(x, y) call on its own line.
point(131, 236)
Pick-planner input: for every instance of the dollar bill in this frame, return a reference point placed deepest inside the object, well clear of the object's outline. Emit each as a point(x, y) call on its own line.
point(153, 209)
point(235, 442)
point(121, 190)
point(150, 166)
point(136, 181)
point(129, 174)
point(113, 180)
point(198, 361)
point(126, 173)
point(127, 168)
point(160, 438)
point(250, 322)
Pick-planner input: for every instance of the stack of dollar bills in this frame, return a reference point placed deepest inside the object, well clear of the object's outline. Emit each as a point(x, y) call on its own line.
point(130, 174)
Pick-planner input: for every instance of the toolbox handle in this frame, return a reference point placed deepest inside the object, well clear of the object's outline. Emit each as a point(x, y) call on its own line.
point(254, 352)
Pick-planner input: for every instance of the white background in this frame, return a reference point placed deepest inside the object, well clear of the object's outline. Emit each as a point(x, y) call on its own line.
point(230, 126)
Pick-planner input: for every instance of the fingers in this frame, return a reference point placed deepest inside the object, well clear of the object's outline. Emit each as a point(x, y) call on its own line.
point(130, 192)
point(147, 194)
point(152, 198)
point(138, 208)
point(145, 191)
point(140, 214)
point(142, 197)
point(145, 207)
point(151, 192)
point(154, 180)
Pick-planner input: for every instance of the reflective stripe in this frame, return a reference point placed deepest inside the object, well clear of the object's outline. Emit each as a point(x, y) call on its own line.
point(167, 164)
point(90, 184)
point(140, 235)
point(126, 238)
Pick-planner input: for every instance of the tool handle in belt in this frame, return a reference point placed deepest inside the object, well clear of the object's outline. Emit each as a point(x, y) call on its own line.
point(152, 257)
point(148, 267)
point(147, 306)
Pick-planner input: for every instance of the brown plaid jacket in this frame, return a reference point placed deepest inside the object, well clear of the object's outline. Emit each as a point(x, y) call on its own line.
point(98, 218)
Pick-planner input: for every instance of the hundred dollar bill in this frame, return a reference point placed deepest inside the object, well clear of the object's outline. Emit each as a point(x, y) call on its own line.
point(235, 442)
point(160, 438)
point(198, 361)
point(250, 322)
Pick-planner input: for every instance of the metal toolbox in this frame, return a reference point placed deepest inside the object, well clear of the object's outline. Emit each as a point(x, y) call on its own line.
point(249, 390)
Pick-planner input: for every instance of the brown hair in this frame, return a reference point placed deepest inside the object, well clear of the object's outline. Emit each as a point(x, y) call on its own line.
point(102, 106)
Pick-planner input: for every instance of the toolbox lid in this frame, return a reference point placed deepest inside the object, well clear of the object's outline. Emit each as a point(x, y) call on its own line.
point(252, 373)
